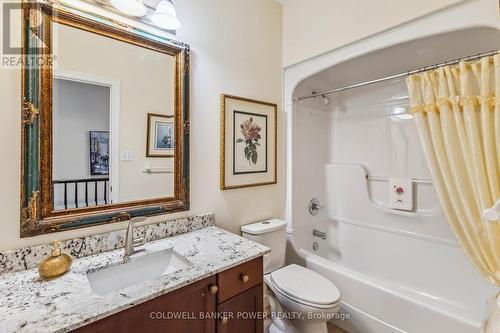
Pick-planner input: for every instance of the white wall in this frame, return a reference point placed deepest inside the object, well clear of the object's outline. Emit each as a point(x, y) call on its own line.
point(313, 27)
point(236, 49)
point(77, 109)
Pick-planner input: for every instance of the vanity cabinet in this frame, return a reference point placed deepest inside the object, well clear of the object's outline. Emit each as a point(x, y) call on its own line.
point(153, 315)
point(231, 301)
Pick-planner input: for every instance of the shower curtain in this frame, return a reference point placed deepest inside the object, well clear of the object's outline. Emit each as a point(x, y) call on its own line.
point(457, 113)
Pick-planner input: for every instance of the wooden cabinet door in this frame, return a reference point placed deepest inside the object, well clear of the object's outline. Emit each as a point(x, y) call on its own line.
point(150, 317)
point(243, 312)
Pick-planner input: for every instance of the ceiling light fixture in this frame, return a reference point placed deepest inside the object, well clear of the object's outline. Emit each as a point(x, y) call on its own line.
point(165, 16)
point(130, 7)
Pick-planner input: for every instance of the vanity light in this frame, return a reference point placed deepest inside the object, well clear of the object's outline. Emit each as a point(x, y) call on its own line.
point(130, 7)
point(165, 16)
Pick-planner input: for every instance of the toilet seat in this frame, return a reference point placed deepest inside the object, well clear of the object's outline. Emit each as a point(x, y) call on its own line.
point(305, 286)
point(309, 304)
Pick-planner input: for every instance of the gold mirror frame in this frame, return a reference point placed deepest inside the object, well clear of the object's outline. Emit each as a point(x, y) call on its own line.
point(37, 213)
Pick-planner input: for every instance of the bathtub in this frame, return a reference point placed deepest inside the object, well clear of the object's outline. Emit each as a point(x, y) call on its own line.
point(374, 306)
point(380, 293)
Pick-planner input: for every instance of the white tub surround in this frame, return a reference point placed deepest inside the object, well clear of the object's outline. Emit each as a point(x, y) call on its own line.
point(29, 304)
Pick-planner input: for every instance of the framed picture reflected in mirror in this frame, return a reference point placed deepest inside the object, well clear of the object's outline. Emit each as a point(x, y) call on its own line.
point(99, 153)
point(160, 140)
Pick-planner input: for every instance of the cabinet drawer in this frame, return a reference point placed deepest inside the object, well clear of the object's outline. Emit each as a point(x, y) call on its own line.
point(236, 280)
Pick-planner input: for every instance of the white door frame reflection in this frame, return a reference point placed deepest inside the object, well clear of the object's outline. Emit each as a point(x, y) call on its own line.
point(114, 121)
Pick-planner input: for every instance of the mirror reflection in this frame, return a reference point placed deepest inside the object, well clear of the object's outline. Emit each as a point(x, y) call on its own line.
point(112, 121)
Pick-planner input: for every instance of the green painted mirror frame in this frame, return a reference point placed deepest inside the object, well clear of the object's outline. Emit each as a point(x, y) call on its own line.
point(37, 213)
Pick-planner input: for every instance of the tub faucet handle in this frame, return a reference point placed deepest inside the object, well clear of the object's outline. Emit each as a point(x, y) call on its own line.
point(314, 206)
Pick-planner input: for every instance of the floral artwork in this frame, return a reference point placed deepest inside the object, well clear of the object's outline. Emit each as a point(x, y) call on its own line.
point(251, 137)
point(248, 142)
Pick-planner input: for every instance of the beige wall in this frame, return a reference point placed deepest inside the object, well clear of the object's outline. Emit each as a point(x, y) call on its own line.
point(313, 27)
point(236, 49)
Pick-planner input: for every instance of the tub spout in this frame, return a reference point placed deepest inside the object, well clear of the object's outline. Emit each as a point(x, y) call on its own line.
point(319, 234)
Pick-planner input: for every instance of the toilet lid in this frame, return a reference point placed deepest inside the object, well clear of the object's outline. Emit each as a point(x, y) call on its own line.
point(304, 284)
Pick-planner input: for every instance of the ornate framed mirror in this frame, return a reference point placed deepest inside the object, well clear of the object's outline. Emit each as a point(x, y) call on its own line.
point(105, 121)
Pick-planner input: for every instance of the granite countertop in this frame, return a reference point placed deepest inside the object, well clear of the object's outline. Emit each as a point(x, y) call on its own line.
point(30, 304)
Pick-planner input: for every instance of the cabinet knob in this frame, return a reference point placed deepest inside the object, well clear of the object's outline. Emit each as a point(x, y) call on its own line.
point(214, 289)
point(224, 320)
point(245, 278)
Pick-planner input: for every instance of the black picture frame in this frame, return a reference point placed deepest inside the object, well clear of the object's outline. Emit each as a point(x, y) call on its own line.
point(99, 165)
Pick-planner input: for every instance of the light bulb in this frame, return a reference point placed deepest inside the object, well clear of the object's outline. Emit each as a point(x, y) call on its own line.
point(130, 7)
point(165, 16)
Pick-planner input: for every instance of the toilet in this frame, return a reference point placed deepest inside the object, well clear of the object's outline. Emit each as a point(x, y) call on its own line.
point(301, 300)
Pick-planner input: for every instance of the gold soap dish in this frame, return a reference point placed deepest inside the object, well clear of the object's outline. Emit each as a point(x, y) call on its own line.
point(57, 264)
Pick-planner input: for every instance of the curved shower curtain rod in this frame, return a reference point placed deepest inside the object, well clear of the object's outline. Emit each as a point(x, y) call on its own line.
point(395, 76)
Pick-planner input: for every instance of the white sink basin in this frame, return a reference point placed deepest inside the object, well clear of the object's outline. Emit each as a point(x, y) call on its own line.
point(139, 269)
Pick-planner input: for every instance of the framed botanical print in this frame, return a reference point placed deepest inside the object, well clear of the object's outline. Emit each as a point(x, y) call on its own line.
point(99, 153)
point(248, 142)
point(160, 140)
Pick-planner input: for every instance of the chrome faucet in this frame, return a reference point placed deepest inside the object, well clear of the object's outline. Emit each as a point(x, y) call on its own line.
point(130, 242)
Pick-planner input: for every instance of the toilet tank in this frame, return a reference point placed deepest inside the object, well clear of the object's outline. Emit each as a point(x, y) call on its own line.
point(270, 233)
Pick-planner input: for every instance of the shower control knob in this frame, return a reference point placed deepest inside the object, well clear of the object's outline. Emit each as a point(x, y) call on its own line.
point(314, 206)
